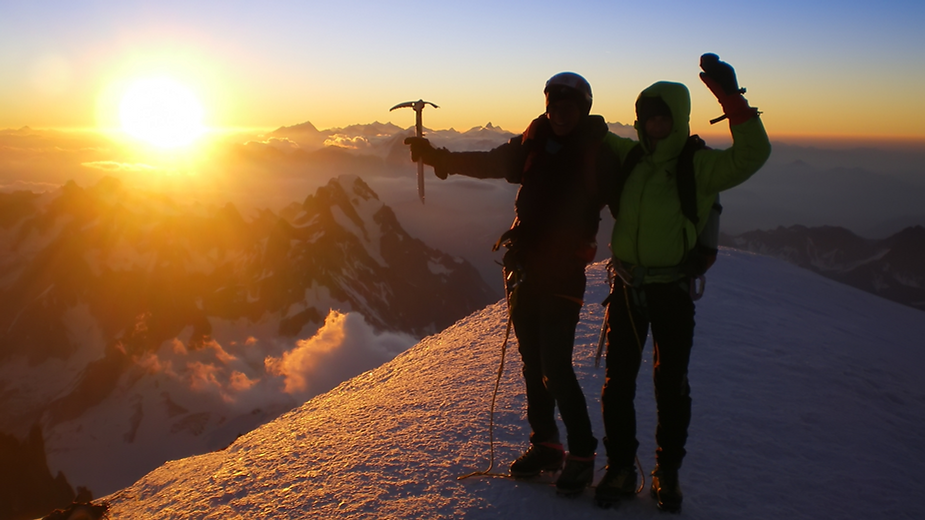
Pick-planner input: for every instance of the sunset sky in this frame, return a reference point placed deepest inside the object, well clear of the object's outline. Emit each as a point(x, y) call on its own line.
point(814, 68)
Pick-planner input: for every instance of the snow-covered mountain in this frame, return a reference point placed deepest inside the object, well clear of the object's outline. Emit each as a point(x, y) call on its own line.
point(134, 329)
point(380, 139)
point(808, 403)
point(385, 139)
point(893, 268)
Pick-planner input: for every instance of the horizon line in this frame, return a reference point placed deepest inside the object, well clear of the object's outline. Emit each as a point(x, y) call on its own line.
point(787, 138)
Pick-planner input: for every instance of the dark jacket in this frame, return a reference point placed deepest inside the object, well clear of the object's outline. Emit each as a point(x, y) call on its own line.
point(558, 205)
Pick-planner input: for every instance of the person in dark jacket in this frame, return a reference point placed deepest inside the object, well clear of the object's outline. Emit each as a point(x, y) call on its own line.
point(562, 166)
point(652, 239)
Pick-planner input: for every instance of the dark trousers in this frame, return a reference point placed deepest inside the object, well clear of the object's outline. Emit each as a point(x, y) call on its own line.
point(669, 310)
point(545, 328)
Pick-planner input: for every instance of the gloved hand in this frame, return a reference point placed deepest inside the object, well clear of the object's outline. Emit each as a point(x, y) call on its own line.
point(423, 150)
point(720, 78)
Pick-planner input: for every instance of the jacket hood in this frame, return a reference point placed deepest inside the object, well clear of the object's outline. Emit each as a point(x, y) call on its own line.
point(678, 99)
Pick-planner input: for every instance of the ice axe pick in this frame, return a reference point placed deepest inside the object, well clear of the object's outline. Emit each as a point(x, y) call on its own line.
point(418, 107)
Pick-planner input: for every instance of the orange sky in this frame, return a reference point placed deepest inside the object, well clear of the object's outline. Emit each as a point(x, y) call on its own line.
point(854, 71)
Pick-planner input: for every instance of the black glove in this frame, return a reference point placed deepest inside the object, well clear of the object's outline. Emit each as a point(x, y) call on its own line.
point(720, 72)
point(423, 150)
point(720, 78)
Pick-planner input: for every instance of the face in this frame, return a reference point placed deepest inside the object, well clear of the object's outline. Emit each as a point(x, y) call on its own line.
point(564, 116)
point(658, 127)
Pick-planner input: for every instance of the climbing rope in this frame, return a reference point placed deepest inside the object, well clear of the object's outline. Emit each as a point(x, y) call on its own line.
point(509, 286)
point(491, 414)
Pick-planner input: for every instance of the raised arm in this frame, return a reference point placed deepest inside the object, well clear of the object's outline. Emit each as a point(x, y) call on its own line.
point(504, 162)
point(719, 170)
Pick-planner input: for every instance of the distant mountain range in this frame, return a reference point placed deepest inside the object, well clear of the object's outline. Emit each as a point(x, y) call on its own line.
point(893, 268)
point(381, 139)
point(874, 193)
point(134, 329)
point(384, 139)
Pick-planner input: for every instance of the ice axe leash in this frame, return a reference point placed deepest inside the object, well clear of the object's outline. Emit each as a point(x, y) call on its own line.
point(418, 107)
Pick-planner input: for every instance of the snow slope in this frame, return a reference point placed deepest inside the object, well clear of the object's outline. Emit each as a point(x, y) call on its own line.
point(807, 404)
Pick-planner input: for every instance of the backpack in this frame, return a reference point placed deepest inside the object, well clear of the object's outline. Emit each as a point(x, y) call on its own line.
point(702, 255)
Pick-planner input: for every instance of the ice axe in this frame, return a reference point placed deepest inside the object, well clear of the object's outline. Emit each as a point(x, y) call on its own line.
point(418, 107)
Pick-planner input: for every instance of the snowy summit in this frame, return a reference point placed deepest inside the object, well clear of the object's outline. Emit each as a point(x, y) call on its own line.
point(808, 403)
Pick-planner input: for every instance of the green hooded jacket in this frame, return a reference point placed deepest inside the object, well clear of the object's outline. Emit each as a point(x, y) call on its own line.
point(650, 229)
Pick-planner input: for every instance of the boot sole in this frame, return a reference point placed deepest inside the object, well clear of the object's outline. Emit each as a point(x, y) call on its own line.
point(663, 506)
point(572, 492)
point(528, 475)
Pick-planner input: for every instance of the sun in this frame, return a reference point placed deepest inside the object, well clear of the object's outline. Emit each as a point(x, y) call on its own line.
point(161, 112)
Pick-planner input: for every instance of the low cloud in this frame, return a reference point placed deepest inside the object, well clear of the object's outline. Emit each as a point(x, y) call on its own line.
point(345, 346)
point(35, 187)
point(207, 371)
point(255, 373)
point(357, 142)
point(114, 166)
point(283, 144)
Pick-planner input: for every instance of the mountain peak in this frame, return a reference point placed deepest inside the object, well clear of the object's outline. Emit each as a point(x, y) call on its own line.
point(306, 127)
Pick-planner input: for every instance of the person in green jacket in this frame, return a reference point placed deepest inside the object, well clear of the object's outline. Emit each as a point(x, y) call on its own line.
point(651, 242)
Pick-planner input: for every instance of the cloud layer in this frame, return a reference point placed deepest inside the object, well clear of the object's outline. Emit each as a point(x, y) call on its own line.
point(256, 373)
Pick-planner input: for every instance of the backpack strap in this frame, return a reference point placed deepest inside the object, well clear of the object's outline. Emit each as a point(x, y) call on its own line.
point(626, 167)
point(700, 255)
point(687, 186)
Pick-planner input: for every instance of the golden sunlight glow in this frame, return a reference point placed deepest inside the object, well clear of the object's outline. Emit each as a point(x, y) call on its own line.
point(161, 112)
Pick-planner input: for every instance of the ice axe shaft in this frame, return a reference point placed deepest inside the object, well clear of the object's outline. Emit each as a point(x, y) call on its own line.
point(419, 131)
point(418, 107)
point(603, 338)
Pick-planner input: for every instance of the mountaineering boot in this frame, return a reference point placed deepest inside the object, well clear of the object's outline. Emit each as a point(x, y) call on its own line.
point(576, 475)
point(666, 489)
point(618, 484)
point(542, 456)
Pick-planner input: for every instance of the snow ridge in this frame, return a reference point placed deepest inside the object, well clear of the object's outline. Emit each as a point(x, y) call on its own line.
point(807, 403)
